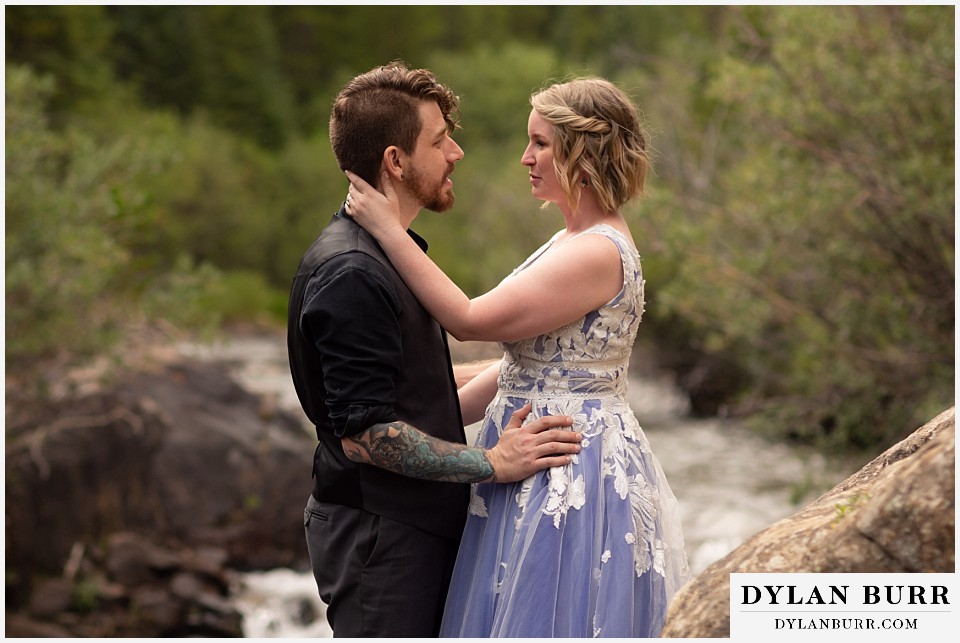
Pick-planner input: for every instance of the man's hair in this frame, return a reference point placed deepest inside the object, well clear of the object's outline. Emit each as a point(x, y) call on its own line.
point(597, 137)
point(380, 108)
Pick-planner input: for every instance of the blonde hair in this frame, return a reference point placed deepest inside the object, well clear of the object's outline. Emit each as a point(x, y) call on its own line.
point(597, 137)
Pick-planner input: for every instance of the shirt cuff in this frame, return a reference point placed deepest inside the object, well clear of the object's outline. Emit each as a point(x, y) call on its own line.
point(357, 418)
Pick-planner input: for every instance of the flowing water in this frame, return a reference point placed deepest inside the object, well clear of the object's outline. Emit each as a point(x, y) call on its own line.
point(730, 483)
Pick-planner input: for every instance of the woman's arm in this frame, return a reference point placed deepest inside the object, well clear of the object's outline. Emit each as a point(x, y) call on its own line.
point(555, 290)
point(463, 373)
point(477, 394)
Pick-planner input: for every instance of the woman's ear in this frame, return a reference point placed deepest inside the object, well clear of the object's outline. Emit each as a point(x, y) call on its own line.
point(585, 165)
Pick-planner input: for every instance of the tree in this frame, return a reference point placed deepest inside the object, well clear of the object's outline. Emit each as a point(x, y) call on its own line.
point(75, 209)
point(71, 43)
point(222, 60)
point(822, 254)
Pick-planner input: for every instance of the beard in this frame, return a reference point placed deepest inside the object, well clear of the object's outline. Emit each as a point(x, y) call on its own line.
point(432, 195)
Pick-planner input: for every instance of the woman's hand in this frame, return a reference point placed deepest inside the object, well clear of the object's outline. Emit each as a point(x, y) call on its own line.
point(378, 214)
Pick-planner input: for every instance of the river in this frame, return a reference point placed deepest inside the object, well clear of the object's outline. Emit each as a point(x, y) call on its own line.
point(730, 483)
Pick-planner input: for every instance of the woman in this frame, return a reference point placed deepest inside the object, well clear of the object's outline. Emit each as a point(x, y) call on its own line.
point(593, 548)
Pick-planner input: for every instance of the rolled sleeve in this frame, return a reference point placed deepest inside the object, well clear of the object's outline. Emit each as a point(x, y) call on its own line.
point(351, 315)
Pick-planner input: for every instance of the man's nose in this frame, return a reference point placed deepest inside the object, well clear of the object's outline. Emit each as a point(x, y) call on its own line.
point(456, 152)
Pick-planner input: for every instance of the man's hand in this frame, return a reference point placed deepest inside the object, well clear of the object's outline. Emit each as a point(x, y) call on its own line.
point(524, 450)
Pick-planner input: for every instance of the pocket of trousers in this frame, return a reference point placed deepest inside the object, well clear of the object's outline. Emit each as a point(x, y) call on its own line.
point(310, 515)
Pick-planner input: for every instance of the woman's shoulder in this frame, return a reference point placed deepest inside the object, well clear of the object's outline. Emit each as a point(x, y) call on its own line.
point(623, 239)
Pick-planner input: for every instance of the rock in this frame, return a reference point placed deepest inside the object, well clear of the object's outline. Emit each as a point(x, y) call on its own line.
point(215, 624)
point(207, 560)
point(186, 586)
point(129, 559)
point(894, 515)
point(910, 512)
point(108, 593)
point(227, 478)
point(142, 495)
point(51, 597)
point(18, 626)
point(156, 612)
point(79, 472)
point(181, 454)
point(709, 380)
point(217, 604)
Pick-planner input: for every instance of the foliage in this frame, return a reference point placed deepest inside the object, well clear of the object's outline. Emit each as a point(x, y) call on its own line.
point(822, 254)
point(225, 61)
point(244, 296)
point(74, 208)
point(846, 508)
point(172, 162)
point(70, 43)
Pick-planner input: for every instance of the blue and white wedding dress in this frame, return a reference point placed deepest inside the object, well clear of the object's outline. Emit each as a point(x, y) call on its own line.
point(591, 549)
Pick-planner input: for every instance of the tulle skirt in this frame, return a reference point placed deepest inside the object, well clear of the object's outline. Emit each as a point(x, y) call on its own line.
point(591, 549)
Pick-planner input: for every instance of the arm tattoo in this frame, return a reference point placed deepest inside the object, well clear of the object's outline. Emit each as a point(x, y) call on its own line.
point(406, 450)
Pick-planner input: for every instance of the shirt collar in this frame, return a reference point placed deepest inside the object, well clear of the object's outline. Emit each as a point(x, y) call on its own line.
point(420, 241)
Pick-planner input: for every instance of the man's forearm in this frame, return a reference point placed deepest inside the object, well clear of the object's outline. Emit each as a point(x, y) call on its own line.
point(404, 449)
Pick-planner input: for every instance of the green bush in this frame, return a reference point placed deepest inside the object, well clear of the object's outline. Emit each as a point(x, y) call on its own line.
point(820, 253)
point(245, 296)
point(77, 211)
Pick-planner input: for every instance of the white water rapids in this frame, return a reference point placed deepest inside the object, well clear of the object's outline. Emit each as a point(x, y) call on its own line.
point(730, 484)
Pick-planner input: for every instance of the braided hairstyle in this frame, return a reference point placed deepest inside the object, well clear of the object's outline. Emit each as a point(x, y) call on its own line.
point(597, 138)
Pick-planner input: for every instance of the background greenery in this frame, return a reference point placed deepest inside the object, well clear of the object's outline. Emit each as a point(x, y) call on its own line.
point(169, 164)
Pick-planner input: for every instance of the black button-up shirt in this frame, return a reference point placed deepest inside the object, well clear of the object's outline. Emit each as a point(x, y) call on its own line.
point(363, 351)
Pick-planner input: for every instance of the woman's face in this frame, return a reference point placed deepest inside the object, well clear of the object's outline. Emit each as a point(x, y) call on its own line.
point(538, 158)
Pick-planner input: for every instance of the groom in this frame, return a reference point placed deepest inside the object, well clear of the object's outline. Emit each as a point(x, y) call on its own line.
point(373, 373)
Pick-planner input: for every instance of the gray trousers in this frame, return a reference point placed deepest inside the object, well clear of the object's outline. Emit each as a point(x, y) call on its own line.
point(378, 577)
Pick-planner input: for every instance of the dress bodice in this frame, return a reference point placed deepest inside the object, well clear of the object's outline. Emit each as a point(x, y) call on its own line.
point(590, 356)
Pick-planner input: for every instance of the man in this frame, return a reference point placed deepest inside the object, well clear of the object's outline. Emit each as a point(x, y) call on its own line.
point(373, 373)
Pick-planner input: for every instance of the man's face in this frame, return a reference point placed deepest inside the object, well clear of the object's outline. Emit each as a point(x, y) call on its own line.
point(432, 161)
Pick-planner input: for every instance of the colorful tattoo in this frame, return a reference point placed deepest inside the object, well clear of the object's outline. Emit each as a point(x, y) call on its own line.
point(404, 449)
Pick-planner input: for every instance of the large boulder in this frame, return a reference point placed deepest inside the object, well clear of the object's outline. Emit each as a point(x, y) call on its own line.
point(178, 457)
point(894, 515)
point(128, 586)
